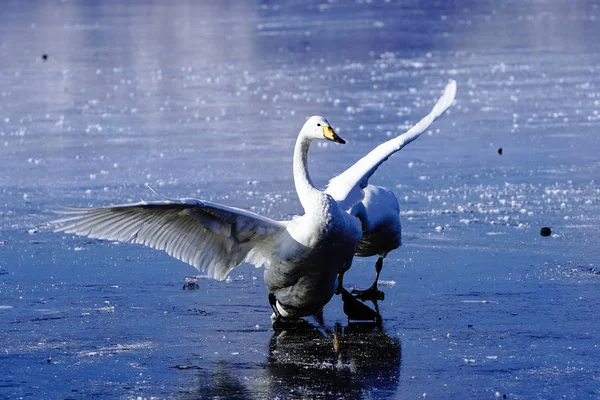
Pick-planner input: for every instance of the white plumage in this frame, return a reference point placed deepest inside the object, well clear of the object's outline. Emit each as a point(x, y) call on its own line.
point(302, 257)
point(211, 237)
point(347, 187)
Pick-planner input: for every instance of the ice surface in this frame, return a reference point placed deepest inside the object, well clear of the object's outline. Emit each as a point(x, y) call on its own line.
point(205, 100)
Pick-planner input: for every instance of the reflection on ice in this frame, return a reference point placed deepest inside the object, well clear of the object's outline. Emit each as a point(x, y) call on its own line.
point(346, 362)
point(308, 362)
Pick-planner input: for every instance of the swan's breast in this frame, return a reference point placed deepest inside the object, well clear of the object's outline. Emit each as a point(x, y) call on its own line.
point(325, 227)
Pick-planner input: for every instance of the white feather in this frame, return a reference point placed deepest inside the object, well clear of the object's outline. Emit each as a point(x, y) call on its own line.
point(347, 187)
point(211, 237)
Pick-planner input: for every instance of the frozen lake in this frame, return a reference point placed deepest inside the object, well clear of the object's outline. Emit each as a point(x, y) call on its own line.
point(205, 100)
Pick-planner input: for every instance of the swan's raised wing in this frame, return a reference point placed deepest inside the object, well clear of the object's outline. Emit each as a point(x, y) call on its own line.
point(211, 237)
point(347, 187)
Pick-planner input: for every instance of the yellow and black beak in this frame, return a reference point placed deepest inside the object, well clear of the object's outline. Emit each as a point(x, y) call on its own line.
point(329, 134)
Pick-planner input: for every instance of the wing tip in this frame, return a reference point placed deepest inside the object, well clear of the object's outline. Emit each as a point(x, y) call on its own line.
point(450, 90)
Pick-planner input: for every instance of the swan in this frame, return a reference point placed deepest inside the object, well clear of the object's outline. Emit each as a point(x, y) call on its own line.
point(379, 213)
point(376, 207)
point(302, 257)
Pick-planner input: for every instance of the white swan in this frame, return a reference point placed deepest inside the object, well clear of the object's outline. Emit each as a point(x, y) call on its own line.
point(379, 213)
point(377, 207)
point(302, 257)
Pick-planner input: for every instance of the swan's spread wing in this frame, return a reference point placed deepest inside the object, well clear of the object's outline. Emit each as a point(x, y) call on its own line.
point(346, 188)
point(211, 237)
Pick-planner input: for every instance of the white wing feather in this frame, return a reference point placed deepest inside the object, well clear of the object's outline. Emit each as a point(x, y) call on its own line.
point(347, 187)
point(211, 237)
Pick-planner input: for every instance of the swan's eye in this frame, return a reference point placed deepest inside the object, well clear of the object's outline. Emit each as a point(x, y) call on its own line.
point(319, 124)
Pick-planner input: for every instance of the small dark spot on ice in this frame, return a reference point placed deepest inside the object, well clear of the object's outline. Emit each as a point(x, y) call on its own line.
point(187, 367)
point(500, 151)
point(470, 326)
point(44, 56)
point(545, 231)
point(197, 311)
point(190, 283)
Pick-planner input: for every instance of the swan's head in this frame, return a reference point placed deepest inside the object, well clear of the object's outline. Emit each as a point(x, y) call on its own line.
point(318, 128)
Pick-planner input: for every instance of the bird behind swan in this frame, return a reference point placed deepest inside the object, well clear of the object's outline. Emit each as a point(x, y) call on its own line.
point(377, 207)
point(379, 214)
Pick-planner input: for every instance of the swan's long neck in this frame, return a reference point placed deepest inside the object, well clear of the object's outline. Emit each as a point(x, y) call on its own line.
point(307, 192)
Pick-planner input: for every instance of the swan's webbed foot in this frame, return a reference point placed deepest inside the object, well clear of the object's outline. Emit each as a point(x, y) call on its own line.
point(371, 293)
point(281, 323)
point(357, 311)
point(295, 325)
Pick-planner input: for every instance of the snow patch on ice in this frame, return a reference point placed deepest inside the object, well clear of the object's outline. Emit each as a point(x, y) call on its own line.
point(115, 349)
point(107, 309)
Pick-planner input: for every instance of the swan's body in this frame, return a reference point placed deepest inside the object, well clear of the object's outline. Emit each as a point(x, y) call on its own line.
point(320, 245)
point(316, 247)
point(377, 207)
point(301, 257)
point(379, 213)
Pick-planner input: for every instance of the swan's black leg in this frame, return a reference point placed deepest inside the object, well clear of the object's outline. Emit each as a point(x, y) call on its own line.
point(378, 267)
point(375, 306)
point(372, 293)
